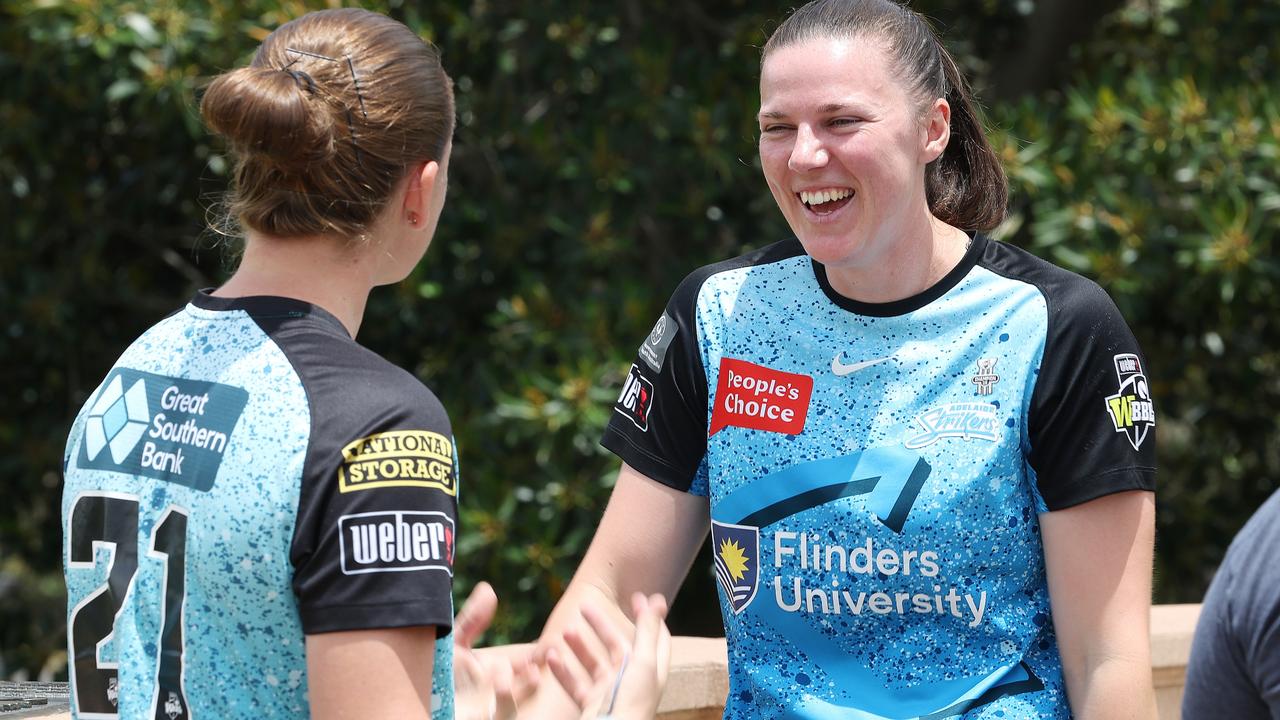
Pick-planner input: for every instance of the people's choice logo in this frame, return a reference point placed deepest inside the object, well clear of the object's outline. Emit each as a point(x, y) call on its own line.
point(117, 420)
point(1131, 409)
point(760, 398)
point(171, 429)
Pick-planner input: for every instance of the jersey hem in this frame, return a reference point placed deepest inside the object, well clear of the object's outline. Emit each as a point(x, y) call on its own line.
point(1120, 480)
point(648, 465)
point(373, 616)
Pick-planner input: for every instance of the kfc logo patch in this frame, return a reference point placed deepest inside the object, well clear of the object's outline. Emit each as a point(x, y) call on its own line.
point(636, 399)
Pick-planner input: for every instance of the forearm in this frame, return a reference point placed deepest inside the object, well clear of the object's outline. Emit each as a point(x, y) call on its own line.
point(616, 567)
point(1113, 688)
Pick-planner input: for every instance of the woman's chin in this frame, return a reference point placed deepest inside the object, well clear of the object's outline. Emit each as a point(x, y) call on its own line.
point(830, 250)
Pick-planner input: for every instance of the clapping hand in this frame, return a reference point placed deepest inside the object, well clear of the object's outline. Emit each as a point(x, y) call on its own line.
point(623, 679)
point(488, 688)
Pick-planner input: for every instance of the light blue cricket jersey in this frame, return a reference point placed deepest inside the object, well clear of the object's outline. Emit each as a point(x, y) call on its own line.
point(875, 473)
point(245, 475)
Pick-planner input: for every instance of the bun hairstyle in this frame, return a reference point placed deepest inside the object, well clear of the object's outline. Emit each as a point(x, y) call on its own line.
point(966, 186)
point(326, 120)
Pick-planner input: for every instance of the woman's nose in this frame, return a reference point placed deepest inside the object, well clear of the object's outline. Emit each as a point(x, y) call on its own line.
point(808, 153)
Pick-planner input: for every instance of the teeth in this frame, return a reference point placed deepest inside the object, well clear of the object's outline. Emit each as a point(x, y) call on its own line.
point(824, 196)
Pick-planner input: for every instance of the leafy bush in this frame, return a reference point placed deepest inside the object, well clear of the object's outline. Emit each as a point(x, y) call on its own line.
point(1155, 173)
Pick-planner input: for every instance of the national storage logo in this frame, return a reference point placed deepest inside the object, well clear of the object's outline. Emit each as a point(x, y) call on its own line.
point(398, 458)
point(171, 429)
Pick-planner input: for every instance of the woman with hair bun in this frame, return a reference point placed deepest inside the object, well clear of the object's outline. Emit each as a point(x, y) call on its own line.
point(260, 514)
point(925, 458)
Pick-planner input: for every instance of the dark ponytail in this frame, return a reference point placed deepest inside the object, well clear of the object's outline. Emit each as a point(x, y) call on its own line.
point(965, 186)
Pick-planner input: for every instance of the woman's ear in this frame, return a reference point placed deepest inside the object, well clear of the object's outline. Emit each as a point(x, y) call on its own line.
point(420, 184)
point(937, 130)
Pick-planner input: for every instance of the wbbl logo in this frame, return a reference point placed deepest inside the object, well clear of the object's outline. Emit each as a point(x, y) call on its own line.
point(1132, 411)
point(737, 560)
point(396, 542)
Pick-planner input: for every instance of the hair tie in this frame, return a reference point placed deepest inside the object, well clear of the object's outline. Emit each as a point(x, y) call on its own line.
point(303, 79)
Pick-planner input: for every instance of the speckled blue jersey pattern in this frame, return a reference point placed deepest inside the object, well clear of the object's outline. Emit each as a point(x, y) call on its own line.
point(207, 524)
point(875, 473)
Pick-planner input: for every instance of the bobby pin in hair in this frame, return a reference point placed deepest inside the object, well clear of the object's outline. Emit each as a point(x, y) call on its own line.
point(355, 82)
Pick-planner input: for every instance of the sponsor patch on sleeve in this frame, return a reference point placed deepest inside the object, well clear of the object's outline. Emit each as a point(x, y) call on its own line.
point(396, 542)
point(398, 458)
point(1131, 409)
point(636, 399)
point(654, 349)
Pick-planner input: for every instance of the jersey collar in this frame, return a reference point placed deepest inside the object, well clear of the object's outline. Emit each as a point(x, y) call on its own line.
point(909, 304)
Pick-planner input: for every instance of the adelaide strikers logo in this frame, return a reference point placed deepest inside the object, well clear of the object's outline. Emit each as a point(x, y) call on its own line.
point(1131, 409)
point(737, 559)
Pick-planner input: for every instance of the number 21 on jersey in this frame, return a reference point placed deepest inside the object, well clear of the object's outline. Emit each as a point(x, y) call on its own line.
point(109, 521)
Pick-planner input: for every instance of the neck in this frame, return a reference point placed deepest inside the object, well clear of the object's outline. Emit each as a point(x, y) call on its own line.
point(911, 264)
point(323, 271)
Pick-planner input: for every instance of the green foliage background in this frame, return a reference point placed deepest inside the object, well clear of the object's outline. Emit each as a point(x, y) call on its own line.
point(603, 151)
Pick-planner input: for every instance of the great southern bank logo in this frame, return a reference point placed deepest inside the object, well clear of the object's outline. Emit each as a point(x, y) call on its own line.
point(171, 429)
point(117, 420)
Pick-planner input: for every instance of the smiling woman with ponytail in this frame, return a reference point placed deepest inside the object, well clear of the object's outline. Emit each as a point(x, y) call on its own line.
point(956, 519)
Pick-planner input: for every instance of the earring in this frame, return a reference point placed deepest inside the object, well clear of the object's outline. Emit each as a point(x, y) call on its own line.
point(413, 219)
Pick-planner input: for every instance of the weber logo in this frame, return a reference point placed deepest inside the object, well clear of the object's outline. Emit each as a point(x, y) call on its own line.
point(396, 542)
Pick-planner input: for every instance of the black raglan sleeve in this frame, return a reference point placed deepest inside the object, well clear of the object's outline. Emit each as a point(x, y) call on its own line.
point(1092, 419)
point(659, 422)
point(377, 516)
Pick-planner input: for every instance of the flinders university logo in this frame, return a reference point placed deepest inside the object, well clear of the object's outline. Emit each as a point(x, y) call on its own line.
point(737, 559)
point(171, 429)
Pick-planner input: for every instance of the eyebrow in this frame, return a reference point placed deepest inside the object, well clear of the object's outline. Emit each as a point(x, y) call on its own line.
point(824, 110)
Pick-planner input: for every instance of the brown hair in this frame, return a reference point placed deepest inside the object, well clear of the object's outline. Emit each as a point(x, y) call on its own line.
point(326, 120)
point(966, 185)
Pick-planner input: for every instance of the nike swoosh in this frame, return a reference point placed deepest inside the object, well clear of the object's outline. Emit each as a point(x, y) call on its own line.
point(841, 369)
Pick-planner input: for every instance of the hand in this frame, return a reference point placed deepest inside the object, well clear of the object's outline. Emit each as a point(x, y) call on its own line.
point(624, 679)
point(488, 688)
